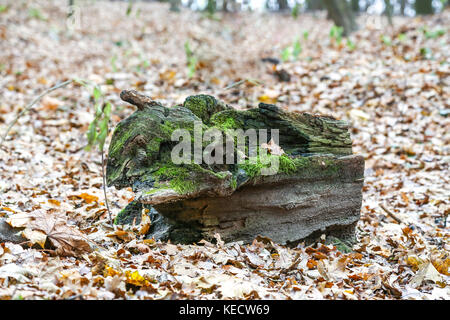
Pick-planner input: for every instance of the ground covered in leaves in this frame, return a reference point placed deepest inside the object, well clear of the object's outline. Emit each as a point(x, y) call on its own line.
point(391, 83)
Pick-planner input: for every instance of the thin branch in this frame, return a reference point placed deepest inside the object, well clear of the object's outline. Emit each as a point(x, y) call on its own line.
point(252, 81)
point(28, 107)
point(390, 214)
point(104, 190)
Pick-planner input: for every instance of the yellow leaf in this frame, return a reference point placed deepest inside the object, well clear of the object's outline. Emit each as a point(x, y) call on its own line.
point(109, 271)
point(35, 236)
point(55, 202)
point(267, 99)
point(87, 197)
point(8, 209)
point(441, 261)
point(135, 278)
point(414, 261)
point(145, 224)
point(42, 80)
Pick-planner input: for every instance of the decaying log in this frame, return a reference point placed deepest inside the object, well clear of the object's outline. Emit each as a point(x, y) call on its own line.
point(317, 188)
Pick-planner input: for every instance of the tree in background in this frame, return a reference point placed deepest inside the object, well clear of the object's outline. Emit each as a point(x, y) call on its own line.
point(283, 5)
point(211, 7)
point(423, 6)
point(175, 5)
point(355, 5)
point(342, 15)
point(388, 9)
point(313, 5)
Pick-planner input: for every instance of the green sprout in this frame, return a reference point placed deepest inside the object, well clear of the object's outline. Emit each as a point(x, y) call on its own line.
point(191, 59)
point(336, 34)
point(292, 52)
point(36, 14)
point(386, 40)
point(351, 45)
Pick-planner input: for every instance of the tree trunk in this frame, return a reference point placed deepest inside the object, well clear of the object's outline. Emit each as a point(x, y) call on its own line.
point(355, 6)
point(388, 10)
point(423, 7)
point(342, 15)
point(314, 5)
point(402, 7)
point(283, 5)
point(211, 6)
point(175, 5)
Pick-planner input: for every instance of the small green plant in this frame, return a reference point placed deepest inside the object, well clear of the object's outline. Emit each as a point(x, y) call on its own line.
point(296, 49)
point(129, 7)
point(386, 40)
point(36, 14)
point(144, 63)
point(305, 35)
point(351, 45)
point(3, 8)
point(98, 128)
point(401, 37)
point(336, 34)
point(191, 59)
point(292, 52)
point(113, 63)
point(286, 54)
point(426, 53)
point(434, 34)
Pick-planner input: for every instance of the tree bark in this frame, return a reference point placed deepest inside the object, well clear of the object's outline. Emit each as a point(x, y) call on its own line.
point(388, 10)
point(402, 7)
point(423, 7)
point(341, 14)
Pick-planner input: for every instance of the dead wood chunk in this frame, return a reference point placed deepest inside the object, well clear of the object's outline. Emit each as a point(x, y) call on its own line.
point(316, 185)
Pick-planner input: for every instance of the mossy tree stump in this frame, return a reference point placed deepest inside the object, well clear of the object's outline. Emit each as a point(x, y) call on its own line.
point(317, 187)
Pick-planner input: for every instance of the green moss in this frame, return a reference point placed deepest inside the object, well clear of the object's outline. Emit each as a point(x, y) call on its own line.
point(233, 183)
point(201, 105)
point(292, 165)
point(132, 212)
point(178, 176)
point(252, 168)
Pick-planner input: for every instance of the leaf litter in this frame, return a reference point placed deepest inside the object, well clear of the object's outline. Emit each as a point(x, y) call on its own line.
point(396, 97)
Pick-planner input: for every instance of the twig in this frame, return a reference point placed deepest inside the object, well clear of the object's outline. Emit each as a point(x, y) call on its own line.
point(28, 107)
point(252, 81)
point(390, 214)
point(104, 190)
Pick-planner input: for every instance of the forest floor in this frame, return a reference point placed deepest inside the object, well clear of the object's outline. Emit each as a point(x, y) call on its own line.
point(391, 83)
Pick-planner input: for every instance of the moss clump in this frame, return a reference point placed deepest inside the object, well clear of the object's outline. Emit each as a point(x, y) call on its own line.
point(203, 106)
point(291, 165)
point(286, 164)
point(131, 213)
point(178, 176)
point(225, 120)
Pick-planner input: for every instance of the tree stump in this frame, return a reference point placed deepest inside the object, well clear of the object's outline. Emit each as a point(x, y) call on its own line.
point(316, 187)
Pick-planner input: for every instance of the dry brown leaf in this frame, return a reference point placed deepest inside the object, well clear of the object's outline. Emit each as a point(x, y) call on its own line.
point(273, 148)
point(67, 239)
